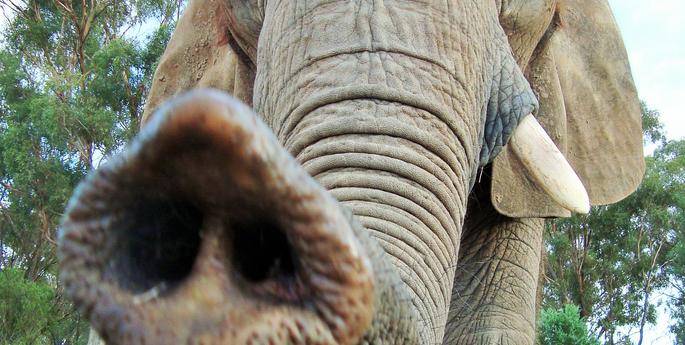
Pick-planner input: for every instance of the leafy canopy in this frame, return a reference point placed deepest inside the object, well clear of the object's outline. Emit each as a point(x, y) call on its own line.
point(74, 76)
point(613, 262)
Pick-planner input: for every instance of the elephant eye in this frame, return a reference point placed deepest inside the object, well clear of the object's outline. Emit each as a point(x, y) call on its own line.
point(525, 22)
point(245, 18)
point(529, 17)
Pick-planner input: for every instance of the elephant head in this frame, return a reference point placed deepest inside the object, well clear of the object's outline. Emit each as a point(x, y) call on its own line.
point(335, 215)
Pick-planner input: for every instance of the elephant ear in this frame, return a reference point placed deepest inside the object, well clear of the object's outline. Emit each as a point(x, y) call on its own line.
point(201, 53)
point(588, 106)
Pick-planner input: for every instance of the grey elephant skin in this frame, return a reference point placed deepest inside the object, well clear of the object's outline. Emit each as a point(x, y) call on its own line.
point(358, 187)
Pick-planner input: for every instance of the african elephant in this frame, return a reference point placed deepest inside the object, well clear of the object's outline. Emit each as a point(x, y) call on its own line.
point(373, 199)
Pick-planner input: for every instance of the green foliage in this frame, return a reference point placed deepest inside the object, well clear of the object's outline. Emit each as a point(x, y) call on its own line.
point(73, 82)
point(613, 261)
point(652, 128)
point(28, 310)
point(673, 155)
point(564, 327)
point(25, 308)
point(678, 314)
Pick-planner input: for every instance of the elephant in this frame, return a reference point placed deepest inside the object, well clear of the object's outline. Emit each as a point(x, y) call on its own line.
point(379, 174)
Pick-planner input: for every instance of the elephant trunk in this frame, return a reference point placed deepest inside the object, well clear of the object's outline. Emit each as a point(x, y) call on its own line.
point(382, 115)
point(206, 231)
point(404, 175)
point(395, 138)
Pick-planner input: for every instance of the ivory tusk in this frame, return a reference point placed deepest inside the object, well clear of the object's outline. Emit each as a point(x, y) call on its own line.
point(548, 166)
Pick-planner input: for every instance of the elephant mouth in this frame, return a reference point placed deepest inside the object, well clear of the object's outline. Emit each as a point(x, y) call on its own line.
point(169, 243)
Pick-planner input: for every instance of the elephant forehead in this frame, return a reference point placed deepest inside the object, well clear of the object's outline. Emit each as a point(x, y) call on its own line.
point(525, 22)
point(430, 31)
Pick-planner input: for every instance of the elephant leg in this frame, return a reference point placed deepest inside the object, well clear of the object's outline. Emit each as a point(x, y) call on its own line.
point(495, 290)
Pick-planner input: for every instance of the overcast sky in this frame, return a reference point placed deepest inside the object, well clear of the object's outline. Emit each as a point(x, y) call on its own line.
point(654, 33)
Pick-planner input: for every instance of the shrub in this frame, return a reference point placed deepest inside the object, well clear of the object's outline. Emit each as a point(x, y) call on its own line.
point(564, 327)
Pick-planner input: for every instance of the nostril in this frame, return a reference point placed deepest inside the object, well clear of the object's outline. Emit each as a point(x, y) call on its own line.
point(261, 252)
point(156, 245)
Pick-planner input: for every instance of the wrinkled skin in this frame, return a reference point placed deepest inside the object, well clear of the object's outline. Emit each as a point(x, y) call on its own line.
point(362, 204)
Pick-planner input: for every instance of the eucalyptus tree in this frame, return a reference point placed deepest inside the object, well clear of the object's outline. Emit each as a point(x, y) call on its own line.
point(74, 76)
point(613, 262)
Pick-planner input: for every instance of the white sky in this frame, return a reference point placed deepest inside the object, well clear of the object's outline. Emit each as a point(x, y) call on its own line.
point(654, 33)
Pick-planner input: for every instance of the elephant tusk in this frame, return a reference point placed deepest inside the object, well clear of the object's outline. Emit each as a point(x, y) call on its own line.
point(548, 166)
